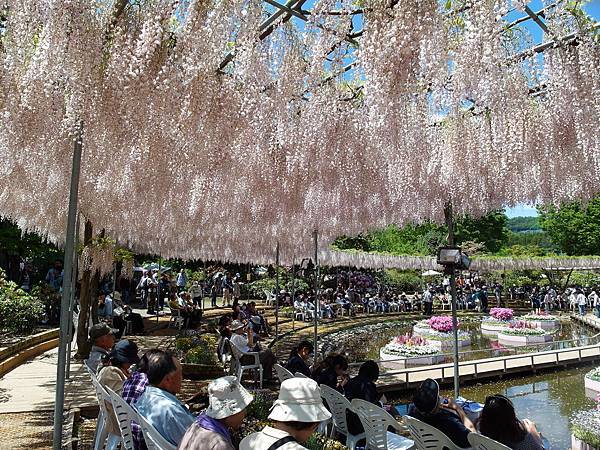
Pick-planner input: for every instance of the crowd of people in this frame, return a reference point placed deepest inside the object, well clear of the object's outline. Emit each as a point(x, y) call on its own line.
point(152, 381)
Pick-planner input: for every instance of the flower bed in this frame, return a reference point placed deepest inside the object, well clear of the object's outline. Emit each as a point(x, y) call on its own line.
point(592, 383)
point(405, 351)
point(444, 340)
point(585, 430)
point(544, 321)
point(498, 320)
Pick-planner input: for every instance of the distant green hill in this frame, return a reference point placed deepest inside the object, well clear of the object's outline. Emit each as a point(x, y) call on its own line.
point(524, 225)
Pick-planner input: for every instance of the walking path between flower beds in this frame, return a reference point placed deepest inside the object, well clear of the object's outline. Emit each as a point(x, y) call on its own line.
point(589, 319)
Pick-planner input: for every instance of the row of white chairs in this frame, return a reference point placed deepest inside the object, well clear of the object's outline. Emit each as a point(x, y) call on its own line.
point(376, 421)
point(124, 414)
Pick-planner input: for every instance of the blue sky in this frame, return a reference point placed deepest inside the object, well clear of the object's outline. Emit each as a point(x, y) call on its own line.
point(521, 210)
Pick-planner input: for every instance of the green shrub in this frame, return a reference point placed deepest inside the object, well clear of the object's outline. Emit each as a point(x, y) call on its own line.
point(404, 280)
point(256, 288)
point(198, 349)
point(19, 311)
point(261, 406)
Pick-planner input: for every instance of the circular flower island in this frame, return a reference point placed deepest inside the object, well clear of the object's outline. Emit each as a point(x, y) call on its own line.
point(543, 321)
point(405, 351)
point(585, 430)
point(523, 333)
point(592, 383)
point(498, 320)
point(438, 332)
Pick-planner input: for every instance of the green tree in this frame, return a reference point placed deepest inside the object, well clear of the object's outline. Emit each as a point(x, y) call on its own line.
point(490, 230)
point(573, 227)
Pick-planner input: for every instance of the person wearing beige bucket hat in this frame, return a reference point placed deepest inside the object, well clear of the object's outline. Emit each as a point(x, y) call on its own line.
point(228, 401)
point(296, 414)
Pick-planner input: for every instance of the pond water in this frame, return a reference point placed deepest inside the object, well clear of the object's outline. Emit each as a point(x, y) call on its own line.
point(364, 342)
point(548, 399)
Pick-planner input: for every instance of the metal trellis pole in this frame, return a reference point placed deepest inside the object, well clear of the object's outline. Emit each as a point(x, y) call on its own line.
point(316, 310)
point(450, 224)
point(293, 292)
point(72, 299)
point(66, 295)
point(277, 291)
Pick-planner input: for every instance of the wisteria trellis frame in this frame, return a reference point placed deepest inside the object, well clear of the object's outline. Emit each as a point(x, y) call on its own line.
point(213, 130)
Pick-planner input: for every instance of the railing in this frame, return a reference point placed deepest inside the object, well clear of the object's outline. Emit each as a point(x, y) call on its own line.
point(447, 370)
point(500, 352)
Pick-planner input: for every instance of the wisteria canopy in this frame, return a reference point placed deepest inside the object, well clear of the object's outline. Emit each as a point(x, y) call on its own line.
point(214, 128)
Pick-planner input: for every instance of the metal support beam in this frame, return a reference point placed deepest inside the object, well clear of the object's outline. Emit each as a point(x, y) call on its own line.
point(450, 224)
point(277, 291)
point(72, 299)
point(316, 310)
point(66, 295)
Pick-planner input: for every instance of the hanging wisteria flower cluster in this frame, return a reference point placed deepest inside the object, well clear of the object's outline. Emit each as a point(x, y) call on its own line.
point(210, 134)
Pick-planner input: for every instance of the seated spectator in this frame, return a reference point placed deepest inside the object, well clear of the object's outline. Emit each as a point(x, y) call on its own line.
point(326, 308)
point(102, 337)
point(245, 342)
point(331, 369)
point(295, 415)
point(298, 357)
point(105, 306)
point(228, 401)
point(499, 422)
point(133, 388)
point(253, 314)
point(158, 404)
point(362, 387)
point(449, 418)
point(120, 359)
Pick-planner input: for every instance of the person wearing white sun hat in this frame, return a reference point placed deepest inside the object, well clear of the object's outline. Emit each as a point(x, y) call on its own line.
point(228, 401)
point(296, 414)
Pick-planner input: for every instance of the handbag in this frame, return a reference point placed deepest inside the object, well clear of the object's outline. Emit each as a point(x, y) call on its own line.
point(281, 442)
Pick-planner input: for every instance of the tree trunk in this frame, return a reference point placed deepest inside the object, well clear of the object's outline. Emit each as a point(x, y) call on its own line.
point(83, 344)
point(94, 290)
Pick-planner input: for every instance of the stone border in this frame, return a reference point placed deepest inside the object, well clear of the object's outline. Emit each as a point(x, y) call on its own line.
point(400, 362)
point(592, 388)
point(544, 324)
point(508, 339)
point(577, 444)
point(33, 346)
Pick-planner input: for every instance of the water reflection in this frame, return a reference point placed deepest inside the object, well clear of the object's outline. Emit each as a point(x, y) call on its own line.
point(548, 399)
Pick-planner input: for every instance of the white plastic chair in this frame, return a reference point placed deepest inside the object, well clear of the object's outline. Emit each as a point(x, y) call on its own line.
point(375, 421)
point(282, 373)
point(125, 414)
point(176, 319)
point(428, 437)
point(481, 442)
point(102, 434)
point(269, 297)
point(240, 368)
point(154, 440)
point(338, 405)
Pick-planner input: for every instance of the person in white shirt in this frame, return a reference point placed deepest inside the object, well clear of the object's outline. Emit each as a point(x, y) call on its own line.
point(195, 292)
point(573, 300)
point(581, 302)
point(245, 342)
point(296, 414)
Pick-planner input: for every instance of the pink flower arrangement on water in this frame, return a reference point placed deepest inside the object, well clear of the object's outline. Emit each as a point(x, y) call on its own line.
point(442, 323)
point(520, 324)
point(411, 341)
point(505, 314)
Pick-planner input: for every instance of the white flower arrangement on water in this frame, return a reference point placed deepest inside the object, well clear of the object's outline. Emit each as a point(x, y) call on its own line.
point(539, 317)
point(444, 333)
point(520, 328)
point(585, 426)
point(495, 322)
point(594, 374)
point(410, 347)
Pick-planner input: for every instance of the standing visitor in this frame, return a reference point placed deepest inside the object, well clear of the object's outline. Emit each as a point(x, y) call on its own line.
point(498, 294)
point(237, 288)
point(195, 292)
point(296, 415)
point(227, 286)
point(181, 280)
point(228, 401)
point(55, 274)
point(428, 301)
point(535, 300)
point(143, 287)
point(581, 301)
point(214, 292)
